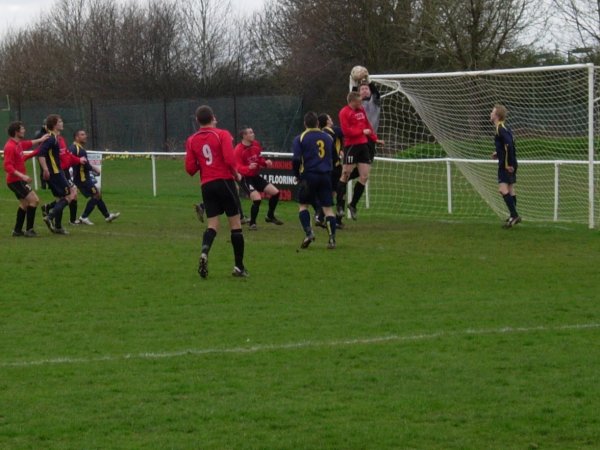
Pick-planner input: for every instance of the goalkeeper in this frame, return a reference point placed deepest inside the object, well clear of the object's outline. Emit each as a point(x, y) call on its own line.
point(506, 154)
point(371, 102)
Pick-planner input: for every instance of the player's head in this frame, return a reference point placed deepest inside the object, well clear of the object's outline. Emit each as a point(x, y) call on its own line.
point(205, 116)
point(16, 130)
point(354, 100)
point(311, 120)
point(247, 134)
point(365, 91)
point(54, 123)
point(80, 136)
point(325, 121)
point(498, 113)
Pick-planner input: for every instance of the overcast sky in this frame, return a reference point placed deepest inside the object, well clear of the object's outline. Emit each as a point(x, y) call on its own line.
point(17, 13)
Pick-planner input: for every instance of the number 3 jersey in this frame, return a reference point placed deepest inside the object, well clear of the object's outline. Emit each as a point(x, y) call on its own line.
point(312, 152)
point(210, 151)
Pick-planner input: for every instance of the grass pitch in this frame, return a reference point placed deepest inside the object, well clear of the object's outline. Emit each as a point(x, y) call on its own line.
point(411, 334)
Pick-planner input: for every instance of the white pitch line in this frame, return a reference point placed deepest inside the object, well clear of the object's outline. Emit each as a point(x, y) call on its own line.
point(296, 345)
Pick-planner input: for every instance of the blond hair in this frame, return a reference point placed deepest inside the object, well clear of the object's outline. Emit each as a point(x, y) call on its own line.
point(501, 112)
point(352, 96)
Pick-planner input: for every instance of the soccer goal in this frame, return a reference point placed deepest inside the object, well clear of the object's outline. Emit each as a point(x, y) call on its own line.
point(439, 140)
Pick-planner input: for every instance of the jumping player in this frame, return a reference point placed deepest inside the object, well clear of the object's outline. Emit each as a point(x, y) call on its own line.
point(17, 178)
point(210, 151)
point(249, 161)
point(84, 180)
point(312, 164)
point(357, 131)
point(506, 154)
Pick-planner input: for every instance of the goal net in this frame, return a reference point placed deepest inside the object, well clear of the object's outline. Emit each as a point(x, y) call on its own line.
point(436, 160)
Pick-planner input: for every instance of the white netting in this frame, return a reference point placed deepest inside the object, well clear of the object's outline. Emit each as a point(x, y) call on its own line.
point(447, 116)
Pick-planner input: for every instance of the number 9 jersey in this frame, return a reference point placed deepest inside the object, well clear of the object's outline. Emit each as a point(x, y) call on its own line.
point(210, 151)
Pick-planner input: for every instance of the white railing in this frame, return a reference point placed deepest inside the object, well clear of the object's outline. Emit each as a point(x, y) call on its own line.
point(447, 161)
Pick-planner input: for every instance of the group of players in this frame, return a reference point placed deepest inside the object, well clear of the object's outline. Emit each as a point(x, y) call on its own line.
point(325, 158)
point(64, 170)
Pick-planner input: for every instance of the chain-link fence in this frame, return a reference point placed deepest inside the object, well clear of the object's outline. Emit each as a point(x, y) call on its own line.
point(164, 125)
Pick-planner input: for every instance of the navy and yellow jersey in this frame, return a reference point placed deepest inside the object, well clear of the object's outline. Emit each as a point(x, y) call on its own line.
point(338, 143)
point(505, 147)
point(50, 149)
point(81, 172)
point(313, 151)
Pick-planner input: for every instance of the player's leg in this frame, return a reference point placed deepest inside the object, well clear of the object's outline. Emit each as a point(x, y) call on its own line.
point(335, 178)
point(348, 165)
point(305, 198)
point(273, 201)
point(230, 201)
point(256, 199)
point(364, 168)
point(32, 202)
point(213, 211)
point(505, 193)
point(73, 207)
point(514, 218)
point(108, 216)
point(511, 190)
point(341, 188)
point(237, 243)
point(326, 199)
point(21, 191)
point(241, 187)
point(20, 220)
point(62, 192)
point(85, 189)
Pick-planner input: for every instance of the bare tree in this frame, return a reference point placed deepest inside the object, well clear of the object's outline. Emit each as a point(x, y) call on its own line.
point(583, 18)
point(475, 34)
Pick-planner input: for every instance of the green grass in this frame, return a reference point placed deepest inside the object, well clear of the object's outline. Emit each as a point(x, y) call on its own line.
point(411, 334)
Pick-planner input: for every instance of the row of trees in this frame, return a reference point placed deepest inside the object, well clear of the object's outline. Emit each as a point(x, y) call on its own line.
point(83, 49)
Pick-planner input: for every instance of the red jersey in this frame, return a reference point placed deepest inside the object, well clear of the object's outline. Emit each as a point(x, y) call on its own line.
point(210, 151)
point(14, 158)
point(353, 122)
point(246, 155)
point(67, 159)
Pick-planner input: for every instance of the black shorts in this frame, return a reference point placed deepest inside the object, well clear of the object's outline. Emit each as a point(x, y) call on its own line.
point(256, 183)
point(87, 188)
point(220, 196)
point(358, 153)
point(20, 188)
point(371, 145)
point(336, 173)
point(59, 185)
point(315, 186)
point(506, 177)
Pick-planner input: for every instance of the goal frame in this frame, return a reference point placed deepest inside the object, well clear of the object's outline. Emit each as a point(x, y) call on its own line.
point(591, 101)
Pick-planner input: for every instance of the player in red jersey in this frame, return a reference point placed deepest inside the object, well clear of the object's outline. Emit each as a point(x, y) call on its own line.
point(358, 132)
point(249, 161)
point(17, 178)
point(210, 151)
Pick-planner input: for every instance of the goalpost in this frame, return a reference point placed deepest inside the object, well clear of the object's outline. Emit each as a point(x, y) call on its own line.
point(439, 140)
